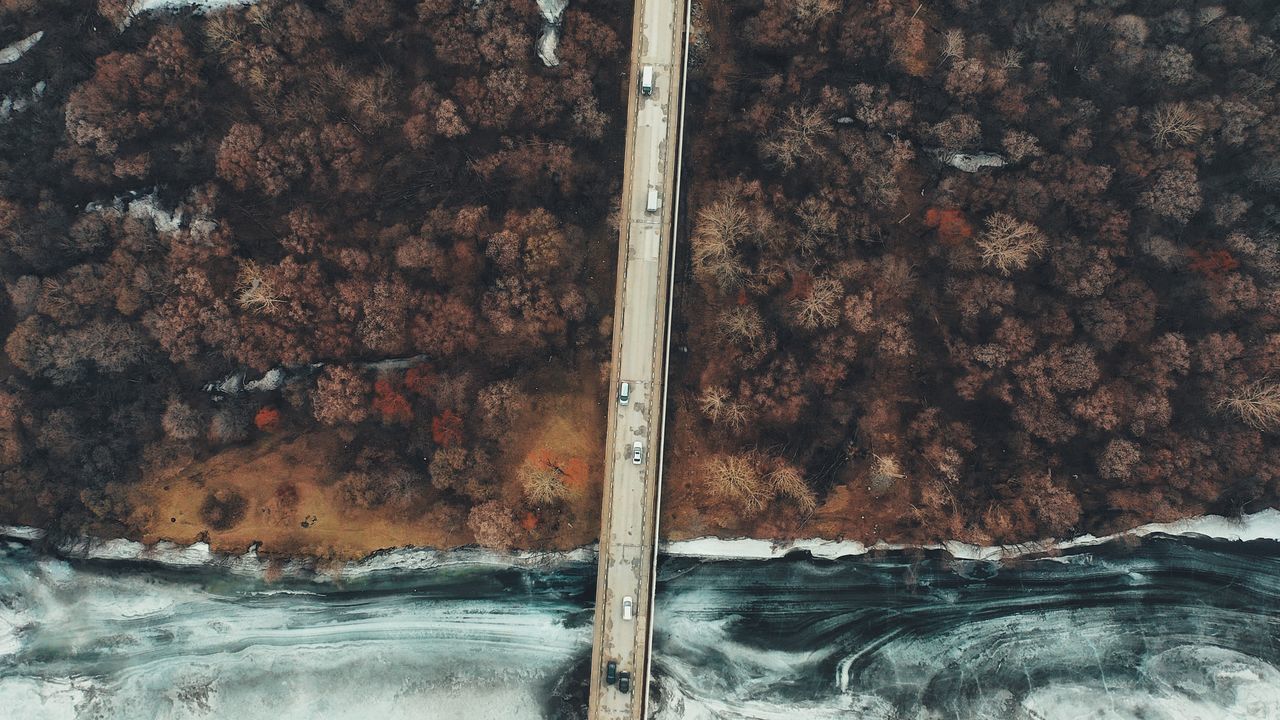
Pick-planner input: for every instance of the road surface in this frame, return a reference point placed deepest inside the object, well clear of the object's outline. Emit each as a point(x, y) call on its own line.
point(628, 518)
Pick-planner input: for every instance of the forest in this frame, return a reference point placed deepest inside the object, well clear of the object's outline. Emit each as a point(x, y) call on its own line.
point(382, 222)
point(993, 271)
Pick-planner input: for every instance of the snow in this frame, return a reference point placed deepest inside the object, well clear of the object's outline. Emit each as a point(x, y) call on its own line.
point(552, 13)
point(251, 564)
point(41, 698)
point(553, 10)
point(19, 532)
point(10, 105)
point(146, 208)
point(1264, 525)
point(18, 49)
point(143, 6)
point(547, 45)
point(970, 162)
point(271, 381)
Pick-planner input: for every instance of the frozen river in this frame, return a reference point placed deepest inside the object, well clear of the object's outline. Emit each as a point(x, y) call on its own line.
point(1166, 629)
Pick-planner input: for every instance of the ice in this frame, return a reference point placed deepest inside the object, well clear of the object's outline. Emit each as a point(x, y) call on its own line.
point(52, 699)
point(191, 642)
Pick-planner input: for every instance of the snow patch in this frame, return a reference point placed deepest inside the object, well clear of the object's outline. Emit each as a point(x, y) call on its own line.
point(21, 532)
point(552, 14)
point(1264, 525)
point(10, 105)
point(251, 564)
point(16, 50)
point(146, 208)
point(969, 162)
point(142, 6)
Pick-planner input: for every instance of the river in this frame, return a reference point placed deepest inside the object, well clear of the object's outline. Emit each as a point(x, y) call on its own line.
point(1162, 627)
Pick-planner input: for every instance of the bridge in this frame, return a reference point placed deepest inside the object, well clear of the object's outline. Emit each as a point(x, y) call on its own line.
point(633, 479)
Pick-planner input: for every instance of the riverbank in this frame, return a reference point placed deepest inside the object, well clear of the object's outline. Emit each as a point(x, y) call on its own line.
point(1264, 525)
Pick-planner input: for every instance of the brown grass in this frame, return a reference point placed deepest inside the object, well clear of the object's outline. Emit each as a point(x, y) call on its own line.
point(293, 504)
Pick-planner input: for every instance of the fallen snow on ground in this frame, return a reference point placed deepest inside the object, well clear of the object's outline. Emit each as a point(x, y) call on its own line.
point(552, 13)
point(10, 105)
point(142, 6)
point(146, 208)
point(1264, 525)
point(16, 50)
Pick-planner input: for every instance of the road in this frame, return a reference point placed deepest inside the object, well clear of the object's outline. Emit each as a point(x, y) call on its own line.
point(628, 530)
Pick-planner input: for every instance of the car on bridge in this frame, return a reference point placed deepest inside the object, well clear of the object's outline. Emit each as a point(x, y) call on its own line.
point(637, 453)
point(611, 672)
point(624, 681)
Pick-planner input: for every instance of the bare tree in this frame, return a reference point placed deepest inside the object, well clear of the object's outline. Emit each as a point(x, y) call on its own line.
point(1009, 244)
point(543, 483)
point(254, 292)
point(952, 45)
point(807, 13)
point(720, 227)
point(797, 138)
point(736, 415)
point(885, 471)
point(1175, 124)
point(819, 222)
point(787, 481)
point(712, 401)
point(741, 324)
point(1010, 59)
point(736, 478)
point(1257, 404)
point(820, 307)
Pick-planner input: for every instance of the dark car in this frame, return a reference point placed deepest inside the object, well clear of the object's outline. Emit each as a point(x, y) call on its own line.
point(624, 681)
point(611, 672)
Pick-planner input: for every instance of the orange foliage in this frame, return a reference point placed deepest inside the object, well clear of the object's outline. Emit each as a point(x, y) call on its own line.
point(530, 522)
point(268, 418)
point(446, 429)
point(574, 468)
point(1213, 264)
point(419, 379)
point(953, 229)
point(910, 49)
point(390, 404)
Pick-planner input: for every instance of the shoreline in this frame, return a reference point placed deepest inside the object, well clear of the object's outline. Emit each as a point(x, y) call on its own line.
point(1262, 525)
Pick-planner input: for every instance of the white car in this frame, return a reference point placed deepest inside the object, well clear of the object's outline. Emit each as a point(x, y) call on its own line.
point(628, 608)
point(624, 393)
point(637, 453)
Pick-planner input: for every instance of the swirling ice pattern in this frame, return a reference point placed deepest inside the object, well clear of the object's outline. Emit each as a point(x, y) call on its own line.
point(1171, 630)
point(101, 640)
point(1174, 630)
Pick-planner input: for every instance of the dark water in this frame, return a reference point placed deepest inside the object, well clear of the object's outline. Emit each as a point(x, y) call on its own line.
point(1171, 628)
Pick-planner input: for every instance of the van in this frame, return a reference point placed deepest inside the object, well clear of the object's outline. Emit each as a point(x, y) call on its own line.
point(637, 453)
point(646, 80)
point(624, 393)
point(651, 205)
